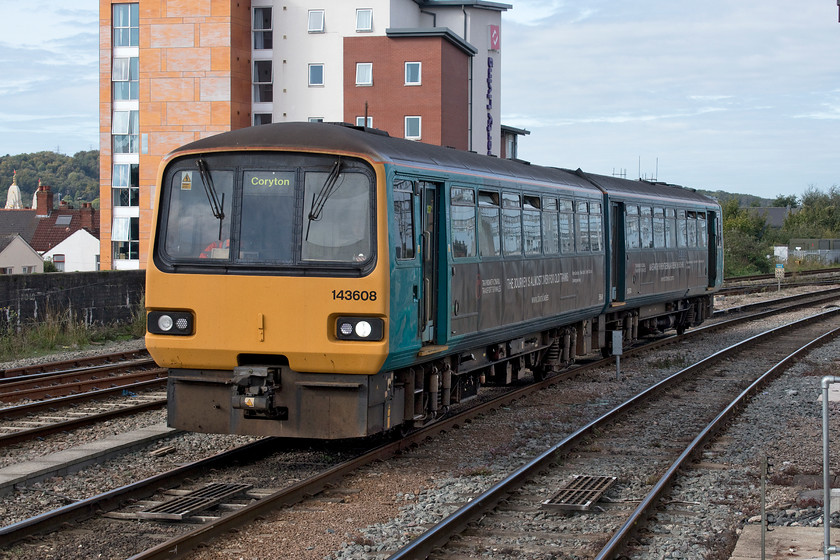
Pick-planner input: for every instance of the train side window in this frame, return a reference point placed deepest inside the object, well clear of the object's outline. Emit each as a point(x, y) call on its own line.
point(567, 227)
point(596, 228)
point(631, 227)
point(511, 224)
point(463, 222)
point(702, 239)
point(404, 241)
point(646, 227)
point(681, 228)
point(550, 231)
point(691, 228)
point(659, 228)
point(670, 228)
point(583, 226)
point(489, 239)
point(531, 225)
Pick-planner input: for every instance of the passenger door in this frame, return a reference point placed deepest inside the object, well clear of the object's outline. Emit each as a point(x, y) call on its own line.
point(429, 257)
point(618, 261)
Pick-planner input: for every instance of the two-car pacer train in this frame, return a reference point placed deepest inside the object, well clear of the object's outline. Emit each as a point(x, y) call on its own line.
point(321, 281)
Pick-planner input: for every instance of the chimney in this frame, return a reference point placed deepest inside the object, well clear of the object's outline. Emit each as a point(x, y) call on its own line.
point(86, 213)
point(44, 201)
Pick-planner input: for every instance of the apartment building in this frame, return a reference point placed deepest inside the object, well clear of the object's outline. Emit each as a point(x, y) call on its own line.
point(173, 71)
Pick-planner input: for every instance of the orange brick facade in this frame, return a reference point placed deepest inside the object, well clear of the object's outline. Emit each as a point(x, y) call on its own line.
point(194, 70)
point(441, 100)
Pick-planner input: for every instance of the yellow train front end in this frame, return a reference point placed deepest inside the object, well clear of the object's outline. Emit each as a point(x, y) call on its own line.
point(267, 293)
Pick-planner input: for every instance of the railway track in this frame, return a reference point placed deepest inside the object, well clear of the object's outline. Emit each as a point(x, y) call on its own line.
point(71, 394)
point(269, 500)
point(635, 430)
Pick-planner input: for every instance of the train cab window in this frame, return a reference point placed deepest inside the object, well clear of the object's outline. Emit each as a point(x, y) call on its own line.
point(702, 234)
point(596, 227)
point(670, 228)
point(659, 228)
point(646, 227)
point(194, 227)
point(489, 238)
point(550, 231)
point(336, 216)
point(511, 224)
point(268, 210)
point(631, 227)
point(681, 229)
point(463, 222)
point(583, 242)
point(691, 228)
point(567, 227)
point(532, 239)
point(404, 219)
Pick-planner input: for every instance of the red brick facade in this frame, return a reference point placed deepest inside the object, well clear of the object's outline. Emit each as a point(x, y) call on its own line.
point(442, 99)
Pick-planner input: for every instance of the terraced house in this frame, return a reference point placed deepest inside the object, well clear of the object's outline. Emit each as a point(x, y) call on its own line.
point(174, 71)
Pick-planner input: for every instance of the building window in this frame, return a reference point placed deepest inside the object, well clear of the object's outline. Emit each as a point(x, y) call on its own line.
point(263, 36)
point(9, 270)
point(28, 269)
point(360, 121)
point(316, 119)
point(364, 20)
point(412, 128)
point(412, 73)
point(125, 76)
point(262, 118)
point(126, 184)
point(316, 21)
point(263, 89)
point(58, 261)
point(125, 238)
point(126, 129)
point(126, 25)
point(364, 73)
point(316, 74)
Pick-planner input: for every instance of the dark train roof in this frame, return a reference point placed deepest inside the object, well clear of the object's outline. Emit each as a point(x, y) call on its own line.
point(651, 189)
point(381, 147)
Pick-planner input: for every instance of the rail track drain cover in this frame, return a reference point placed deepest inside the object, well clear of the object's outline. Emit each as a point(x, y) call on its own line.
point(581, 493)
point(184, 506)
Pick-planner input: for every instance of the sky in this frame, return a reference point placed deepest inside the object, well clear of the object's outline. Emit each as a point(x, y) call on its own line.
point(741, 96)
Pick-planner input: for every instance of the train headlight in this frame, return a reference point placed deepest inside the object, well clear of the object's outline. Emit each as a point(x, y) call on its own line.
point(360, 328)
point(363, 329)
point(165, 323)
point(170, 322)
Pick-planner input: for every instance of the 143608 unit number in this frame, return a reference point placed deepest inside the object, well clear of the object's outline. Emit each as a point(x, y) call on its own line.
point(354, 295)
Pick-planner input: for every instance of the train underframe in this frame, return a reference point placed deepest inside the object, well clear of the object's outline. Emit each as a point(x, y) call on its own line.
point(432, 387)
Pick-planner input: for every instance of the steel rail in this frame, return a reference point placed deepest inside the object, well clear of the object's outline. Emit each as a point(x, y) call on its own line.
point(439, 535)
point(73, 363)
point(49, 404)
point(67, 388)
point(83, 509)
point(76, 372)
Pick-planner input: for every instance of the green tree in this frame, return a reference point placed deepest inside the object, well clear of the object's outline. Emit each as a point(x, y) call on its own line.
point(746, 241)
point(785, 201)
point(818, 217)
point(76, 176)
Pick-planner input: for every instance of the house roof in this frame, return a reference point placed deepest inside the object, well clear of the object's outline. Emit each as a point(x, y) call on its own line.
point(45, 232)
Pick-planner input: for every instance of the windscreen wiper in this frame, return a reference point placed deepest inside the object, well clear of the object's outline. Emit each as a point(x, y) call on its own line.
point(319, 200)
point(212, 197)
